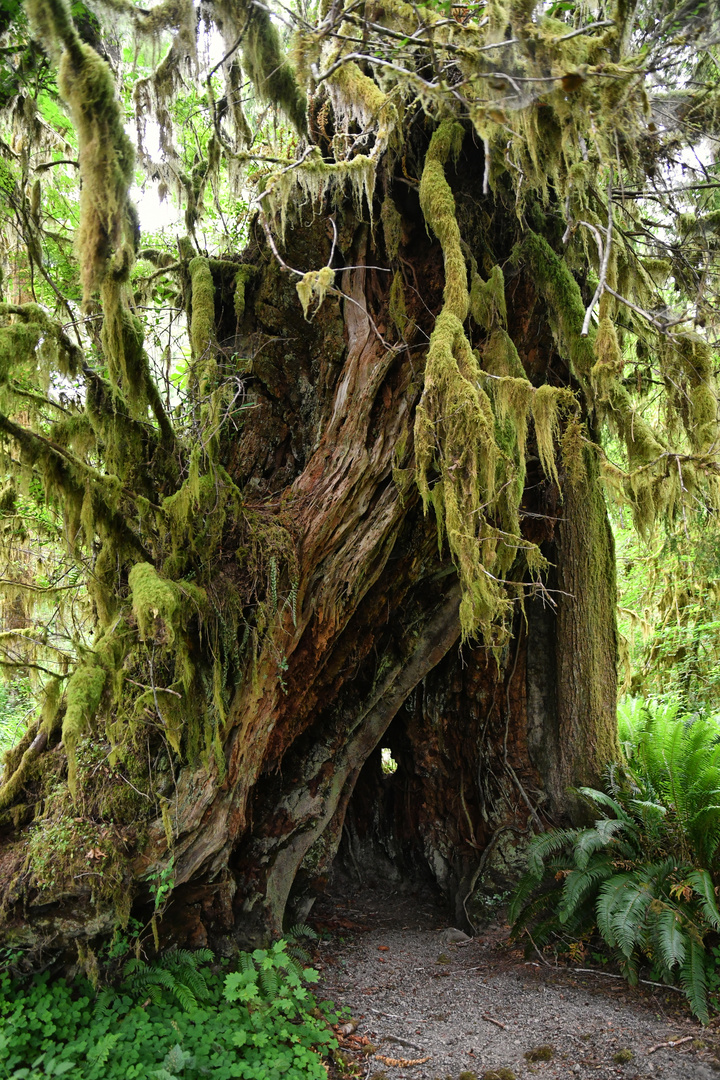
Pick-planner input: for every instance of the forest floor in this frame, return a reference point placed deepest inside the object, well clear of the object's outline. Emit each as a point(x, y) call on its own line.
point(432, 1008)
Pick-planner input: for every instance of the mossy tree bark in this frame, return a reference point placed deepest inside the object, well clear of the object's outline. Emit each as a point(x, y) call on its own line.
point(368, 653)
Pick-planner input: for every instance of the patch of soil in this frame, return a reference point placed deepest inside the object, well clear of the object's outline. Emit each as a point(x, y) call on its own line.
point(429, 1007)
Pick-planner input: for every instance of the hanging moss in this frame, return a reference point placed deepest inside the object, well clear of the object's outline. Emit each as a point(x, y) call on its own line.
point(573, 452)
point(513, 399)
point(392, 227)
point(268, 69)
point(500, 357)
point(455, 425)
point(487, 299)
point(609, 364)
point(356, 95)
point(243, 278)
point(548, 403)
point(32, 339)
point(313, 287)
point(105, 235)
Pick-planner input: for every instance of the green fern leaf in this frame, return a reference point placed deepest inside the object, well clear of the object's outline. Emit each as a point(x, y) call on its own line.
point(703, 886)
point(670, 937)
point(579, 883)
point(693, 979)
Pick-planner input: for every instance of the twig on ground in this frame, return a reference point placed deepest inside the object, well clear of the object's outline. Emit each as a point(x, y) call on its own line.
point(672, 1043)
point(491, 1020)
point(609, 975)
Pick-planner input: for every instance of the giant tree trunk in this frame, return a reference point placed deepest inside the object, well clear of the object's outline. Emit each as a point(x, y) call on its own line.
point(486, 744)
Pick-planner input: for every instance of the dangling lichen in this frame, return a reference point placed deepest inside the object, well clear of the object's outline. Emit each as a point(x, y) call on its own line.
point(609, 364)
point(313, 287)
point(547, 404)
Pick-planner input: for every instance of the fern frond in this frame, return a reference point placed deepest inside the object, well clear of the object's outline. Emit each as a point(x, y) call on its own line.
point(693, 979)
point(580, 882)
point(547, 844)
point(301, 930)
point(526, 887)
point(628, 914)
point(184, 996)
point(670, 938)
point(703, 886)
point(610, 895)
point(600, 798)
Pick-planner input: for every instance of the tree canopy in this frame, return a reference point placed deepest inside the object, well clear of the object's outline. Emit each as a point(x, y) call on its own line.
point(564, 338)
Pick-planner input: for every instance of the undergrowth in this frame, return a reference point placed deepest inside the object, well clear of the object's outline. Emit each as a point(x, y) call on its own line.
point(644, 877)
point(180, 1018)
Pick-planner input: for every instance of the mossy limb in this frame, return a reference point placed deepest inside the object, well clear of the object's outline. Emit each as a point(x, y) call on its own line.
point(202, 320)
point(83, 694)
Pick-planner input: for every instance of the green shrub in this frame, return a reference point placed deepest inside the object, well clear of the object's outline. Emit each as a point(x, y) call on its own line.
point(645, 874)
point(259, 1023)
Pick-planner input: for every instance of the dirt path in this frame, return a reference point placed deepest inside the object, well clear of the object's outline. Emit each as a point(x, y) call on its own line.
point(478, 1007)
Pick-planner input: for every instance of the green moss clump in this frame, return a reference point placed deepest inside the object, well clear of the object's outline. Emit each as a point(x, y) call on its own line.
point(154, 597)
point(622, 1057)
point(540, 1053)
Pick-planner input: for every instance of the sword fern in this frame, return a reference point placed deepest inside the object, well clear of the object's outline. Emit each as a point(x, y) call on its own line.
point(645, 874)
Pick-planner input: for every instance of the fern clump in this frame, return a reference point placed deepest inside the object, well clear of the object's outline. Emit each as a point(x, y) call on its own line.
point(645, 875)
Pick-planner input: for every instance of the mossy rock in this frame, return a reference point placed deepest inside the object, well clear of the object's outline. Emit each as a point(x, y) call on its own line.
point(623, 1056)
